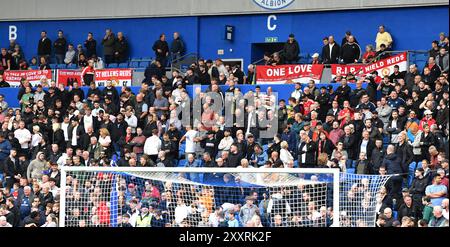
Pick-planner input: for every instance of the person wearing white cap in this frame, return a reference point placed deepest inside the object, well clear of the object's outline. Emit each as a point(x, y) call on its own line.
point(315, 58)
point(427, 119)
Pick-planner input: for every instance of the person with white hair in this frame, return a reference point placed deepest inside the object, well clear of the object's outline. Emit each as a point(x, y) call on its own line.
point(3, 222)
point(438, 220)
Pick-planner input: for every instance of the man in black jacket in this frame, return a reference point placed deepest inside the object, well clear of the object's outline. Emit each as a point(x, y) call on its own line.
point(177, 46)
point(404, 152)
point(291, 50)
point(392, 163)
point(331, 52)
point(417, 188)
point(350, 51)
point(306, 151)
point(44, 46)
point(121, 49)
point(60, 46)
point(161, 49)
point(91, 45)
point(377, 156)
point(108, 43)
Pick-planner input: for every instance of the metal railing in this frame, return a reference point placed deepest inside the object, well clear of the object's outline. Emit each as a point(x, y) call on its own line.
point(183, 62)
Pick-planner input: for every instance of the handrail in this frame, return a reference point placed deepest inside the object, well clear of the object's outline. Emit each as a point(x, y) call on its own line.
point(184, 56)
point(258, 61)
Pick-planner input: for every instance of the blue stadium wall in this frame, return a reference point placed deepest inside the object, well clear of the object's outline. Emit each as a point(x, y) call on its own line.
point(411, 28)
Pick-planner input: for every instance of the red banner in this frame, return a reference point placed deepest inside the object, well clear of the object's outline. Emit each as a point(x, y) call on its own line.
point(68, 76)
point(33, 76)
point(281, 74)
point(341, 69)
point(383, 67)
point(119, 77)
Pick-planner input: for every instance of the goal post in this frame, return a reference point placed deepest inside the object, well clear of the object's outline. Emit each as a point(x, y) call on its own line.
point(163, 196)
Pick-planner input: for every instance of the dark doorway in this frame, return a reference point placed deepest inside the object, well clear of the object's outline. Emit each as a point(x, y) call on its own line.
point(258, 50)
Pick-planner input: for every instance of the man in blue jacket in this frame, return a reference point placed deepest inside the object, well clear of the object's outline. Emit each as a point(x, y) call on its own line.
point(5, 147)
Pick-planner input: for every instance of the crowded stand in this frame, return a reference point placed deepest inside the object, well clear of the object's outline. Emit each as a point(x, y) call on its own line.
point(370, 124)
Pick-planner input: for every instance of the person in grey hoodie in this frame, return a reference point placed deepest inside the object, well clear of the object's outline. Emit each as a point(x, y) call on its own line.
point(37, 166)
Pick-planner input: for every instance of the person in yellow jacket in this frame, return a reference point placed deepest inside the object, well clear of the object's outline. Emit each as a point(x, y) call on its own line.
point(144, 219)
point(383, 37)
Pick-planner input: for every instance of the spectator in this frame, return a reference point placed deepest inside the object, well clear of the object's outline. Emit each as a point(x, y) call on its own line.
point(436, 191)
point(121, 49)
point(109, 42)
point(17, 58)
point(369, 55)
point(331, 52)
point(442, 60)
point(291, 50)
point(44, 46)
point(350, 51)
point(161, 48)
point(177, 48)
point(434, 49)
point(5, 60)
point(91, 45)
point(383, 37)
point(70, 55)
point(59, 47)
point(438, 220)
point(43, 64)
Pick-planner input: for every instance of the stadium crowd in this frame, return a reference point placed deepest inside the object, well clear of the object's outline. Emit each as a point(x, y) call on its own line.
point(355, 130)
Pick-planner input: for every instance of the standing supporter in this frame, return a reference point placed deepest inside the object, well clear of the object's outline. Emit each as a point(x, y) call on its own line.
point(108, 42)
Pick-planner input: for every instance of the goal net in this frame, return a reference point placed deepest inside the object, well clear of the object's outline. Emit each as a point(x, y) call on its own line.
point(216, 197)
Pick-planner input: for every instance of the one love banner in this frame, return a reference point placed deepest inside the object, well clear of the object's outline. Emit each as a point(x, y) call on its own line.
point(383, 67)
point(282, 74)
point(120, 77)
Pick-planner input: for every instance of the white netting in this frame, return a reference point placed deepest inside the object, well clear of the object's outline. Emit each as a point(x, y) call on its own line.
point(358, 199)
point(231, 199)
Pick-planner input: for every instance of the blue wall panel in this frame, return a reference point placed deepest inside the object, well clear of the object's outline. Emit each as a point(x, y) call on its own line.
point(141, 33)
point(411, 28)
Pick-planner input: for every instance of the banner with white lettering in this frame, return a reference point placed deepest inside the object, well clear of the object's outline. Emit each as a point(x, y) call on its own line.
point(119, 77)
point(383, 67)
point(35, 77)
point(282, 74)
point(68, 76)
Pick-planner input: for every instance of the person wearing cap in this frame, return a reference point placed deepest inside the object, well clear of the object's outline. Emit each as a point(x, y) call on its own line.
point(291, 50)
point(315, 58)
point(144, 218)
point(297, 93)
point(427, 119)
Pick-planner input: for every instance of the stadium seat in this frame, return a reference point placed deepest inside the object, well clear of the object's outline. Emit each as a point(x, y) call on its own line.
point(148, 59)
point(53, 66)
point(134, 64)
point(34, 67)
point(113, 65)
point(296, 163)
point(61, 66)
point(72, 66)
point(123, 65)
point(411, 170)
point(144, 64)
point(182, 163)
point(351, 170)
